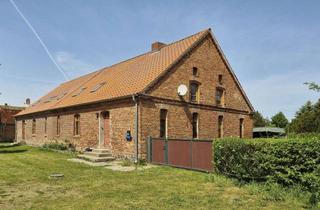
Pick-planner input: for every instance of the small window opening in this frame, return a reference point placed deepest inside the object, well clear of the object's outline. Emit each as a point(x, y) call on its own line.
point(220, 80)
point(195, 71)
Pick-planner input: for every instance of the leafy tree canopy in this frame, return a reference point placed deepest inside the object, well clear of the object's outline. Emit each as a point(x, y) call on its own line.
point(259, 120)
point(307, 119)
point(313, 86)
point(279, 120)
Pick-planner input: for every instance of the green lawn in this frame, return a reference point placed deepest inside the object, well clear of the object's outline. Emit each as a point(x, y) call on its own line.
point(24, 184)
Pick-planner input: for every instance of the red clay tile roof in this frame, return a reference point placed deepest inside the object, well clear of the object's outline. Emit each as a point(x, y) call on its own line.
point(123, 79)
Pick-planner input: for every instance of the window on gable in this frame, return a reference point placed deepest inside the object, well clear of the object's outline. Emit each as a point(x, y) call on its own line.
point(97, 87)
point(76, 127)
point(34, 127)
point(79, 92)
point(220, 97)
point(220, 79)
point(194, 92)
point(163, 123)
point(195, 125)
point(195, 71)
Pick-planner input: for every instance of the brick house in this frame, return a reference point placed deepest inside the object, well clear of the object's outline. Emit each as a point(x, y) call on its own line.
point(119, 106)
point(7, 121)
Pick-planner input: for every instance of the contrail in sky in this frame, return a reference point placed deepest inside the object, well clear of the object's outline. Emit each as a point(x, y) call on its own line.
point(40, 40)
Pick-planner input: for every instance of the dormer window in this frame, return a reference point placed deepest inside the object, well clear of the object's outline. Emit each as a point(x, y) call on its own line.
point(97, 87)
point(220, 79)
point(195, 71)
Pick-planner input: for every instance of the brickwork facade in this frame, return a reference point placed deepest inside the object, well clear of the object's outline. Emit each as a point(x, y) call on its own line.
point(212, 73)
point(7, 121)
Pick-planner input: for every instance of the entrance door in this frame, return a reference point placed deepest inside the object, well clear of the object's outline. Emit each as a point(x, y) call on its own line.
point(106, 125)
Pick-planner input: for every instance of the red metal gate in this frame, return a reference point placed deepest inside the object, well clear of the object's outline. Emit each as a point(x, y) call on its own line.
point(184, 153)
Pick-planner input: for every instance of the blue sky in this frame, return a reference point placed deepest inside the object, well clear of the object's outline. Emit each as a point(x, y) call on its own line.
point(273, 46)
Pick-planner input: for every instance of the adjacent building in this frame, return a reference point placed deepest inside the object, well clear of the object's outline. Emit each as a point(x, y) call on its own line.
point(119, 106)
point(7, 121)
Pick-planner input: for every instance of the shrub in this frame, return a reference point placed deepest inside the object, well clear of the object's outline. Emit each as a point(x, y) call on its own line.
point(284, 161)
point(55, 146)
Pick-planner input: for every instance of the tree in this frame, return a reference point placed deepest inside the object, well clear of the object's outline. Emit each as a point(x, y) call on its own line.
point(259, 120)
point(313, 86)
point(279, 120)
point(307, 118)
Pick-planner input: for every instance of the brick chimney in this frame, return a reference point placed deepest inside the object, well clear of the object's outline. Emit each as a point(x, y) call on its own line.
point(28, 102)
point(157, 46)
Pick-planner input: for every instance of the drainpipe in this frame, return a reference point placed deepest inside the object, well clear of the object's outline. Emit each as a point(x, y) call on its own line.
point(99, 118)
point(135, 99)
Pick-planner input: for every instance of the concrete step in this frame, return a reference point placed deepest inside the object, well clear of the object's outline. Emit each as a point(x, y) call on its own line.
point(96, 154)
point(101, 150)
point(95, 159)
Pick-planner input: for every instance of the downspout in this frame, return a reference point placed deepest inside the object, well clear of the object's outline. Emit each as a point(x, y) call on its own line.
point(135, 99)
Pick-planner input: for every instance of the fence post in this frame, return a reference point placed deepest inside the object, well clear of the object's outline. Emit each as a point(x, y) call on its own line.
point(166, 145)
point(149, 149)
point(191, 151)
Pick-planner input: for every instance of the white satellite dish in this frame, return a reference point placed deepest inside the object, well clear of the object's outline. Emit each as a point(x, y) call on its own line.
point(182, 90)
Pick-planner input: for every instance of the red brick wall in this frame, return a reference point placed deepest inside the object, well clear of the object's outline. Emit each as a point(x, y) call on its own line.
point(209, 63)
point(7, 123)
point(121, 117)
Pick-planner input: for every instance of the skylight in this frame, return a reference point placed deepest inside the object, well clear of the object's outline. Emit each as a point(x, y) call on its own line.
point(61, 95)
point(97, 87)
point(79, 92)
point(50, 99)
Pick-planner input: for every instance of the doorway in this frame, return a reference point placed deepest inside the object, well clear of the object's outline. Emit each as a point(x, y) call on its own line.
point(106, 129)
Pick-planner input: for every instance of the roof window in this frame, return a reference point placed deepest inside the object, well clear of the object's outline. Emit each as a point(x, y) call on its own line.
point(50, 99)
point(79, 92)
point(61, 95)
point(97, 87)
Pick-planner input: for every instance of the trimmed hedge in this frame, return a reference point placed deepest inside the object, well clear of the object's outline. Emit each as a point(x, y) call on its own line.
point(55, 146)
point(285, 161)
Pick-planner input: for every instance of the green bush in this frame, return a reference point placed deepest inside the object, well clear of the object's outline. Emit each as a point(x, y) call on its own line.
point(284, 161)
point(55, 146)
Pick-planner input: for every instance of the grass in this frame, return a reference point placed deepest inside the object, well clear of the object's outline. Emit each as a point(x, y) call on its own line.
point(24, 184)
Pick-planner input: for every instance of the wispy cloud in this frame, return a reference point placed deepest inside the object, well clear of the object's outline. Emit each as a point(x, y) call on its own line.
point(281, 92)
point(73, 65)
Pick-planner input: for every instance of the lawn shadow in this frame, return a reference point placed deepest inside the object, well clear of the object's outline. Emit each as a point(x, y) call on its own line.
point(12, 151)
point(7, 146)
